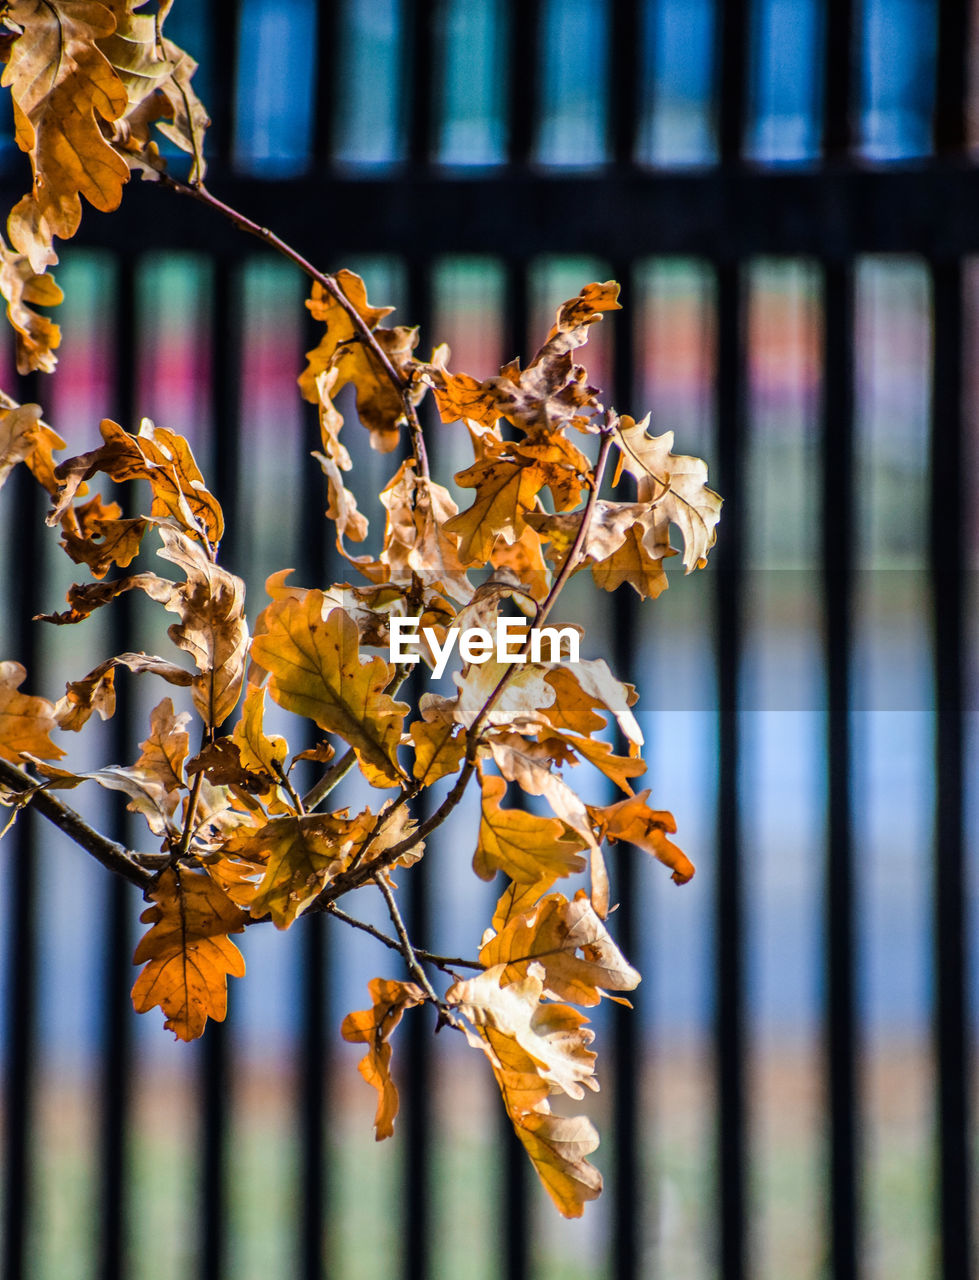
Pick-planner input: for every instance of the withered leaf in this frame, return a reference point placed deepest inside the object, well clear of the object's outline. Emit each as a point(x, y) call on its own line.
point(576, 951)
point(297, 856)
point(257, 749)
point(315, 671)
point(25, 721)
point(187, 953)
point(523, 846)
point(379, 403)
point(373, 1027)
point(160, 456)
point(95, 534)
point(25, 438)
point(62, 86)
point(165, 751)
point(415, 539)
point(535, 1048)
point(96, 691)
point(38, 337)
point(632, 820)
point(674, 483)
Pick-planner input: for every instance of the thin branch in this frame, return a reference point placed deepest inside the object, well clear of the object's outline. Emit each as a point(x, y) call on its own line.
point(332, 778)
point(197, 191)
point(445, 963)
point(408, 951)
point(114, 857)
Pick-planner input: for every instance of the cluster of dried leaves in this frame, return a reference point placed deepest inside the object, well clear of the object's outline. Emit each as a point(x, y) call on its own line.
point(233, 840)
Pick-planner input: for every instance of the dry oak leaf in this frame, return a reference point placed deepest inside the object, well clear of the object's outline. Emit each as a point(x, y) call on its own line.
point(297, 856)
point(527, 848)
point(187, 953)
point(160, 456)
point(62, 87)
point(212, 627)
point(415, 540)
point(164, 752)
point(157, 76)
point(341, 505)
point(25, 438)
point(439, 748)
point(625, 542)
point(529, 765)
point(633, 821)
point(535, 1048)
point(38, 337)
point(550, 393)
point(553, 933)
point(379, 403)
point(96, 692)
point(25, 721)
point(315, 670)
point(524, 699)
point(95, 534)
point(259, 751)
point(674, 483)
point(373, 1027)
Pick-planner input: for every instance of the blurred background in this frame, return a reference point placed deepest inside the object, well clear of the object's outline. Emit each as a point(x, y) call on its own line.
point(788, 193)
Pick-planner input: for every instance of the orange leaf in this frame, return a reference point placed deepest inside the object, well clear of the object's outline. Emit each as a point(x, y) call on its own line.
point(187, 953)
point(373, 1027)
point(25, 722)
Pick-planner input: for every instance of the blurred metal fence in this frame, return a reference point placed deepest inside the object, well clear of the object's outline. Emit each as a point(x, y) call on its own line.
point(829, 209)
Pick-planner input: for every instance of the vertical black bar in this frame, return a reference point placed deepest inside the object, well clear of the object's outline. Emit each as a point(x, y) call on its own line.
point(837, 558)
point(515, 1166)
point(223, 43)
point(729, 991)
point(117, 1051)
point(627, 1217)
point(314, 1059)
point(952, 77)
point(421, 80)
point(523, 78)
point(947, 557)
point(625, 48)
point(417, 1233)
point(20, 1030)
point(214, 1089)
point(839, 78)
point(733, 63)
point(327, 79)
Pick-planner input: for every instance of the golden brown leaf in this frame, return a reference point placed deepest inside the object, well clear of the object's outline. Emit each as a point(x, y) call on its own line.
point(258, 750)
point(415, 539)
point(535, 1048)
point(576, 951)
point(437, 751)
point(63, 87)
point(674, 483)
point(95, 534)
point(37, 336)
point(25, 721)
point(212, 627)
point(297, 856)
point(373, 1027)
point(25, 438)
point(632, 820)
point(315, 669)
point(523, 846)
point(96, 691)
point(164, 752)
point(187, 953)
point(379, 403)
point(164, 459)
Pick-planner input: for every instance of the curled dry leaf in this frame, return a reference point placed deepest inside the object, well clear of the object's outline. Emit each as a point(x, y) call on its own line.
point(25, 438)
point(38, 337)
point(581, 963)
point(523, 846)
point(535, 1048)
point(633, 821)
point(187, 954)
point(315, 670)
point(96, 692)
point(379, 402)
point(373, 1027)
point(25, 721)
point(674, 483)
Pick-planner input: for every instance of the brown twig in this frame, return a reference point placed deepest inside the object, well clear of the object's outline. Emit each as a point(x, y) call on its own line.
point(114, 857)
point(197, 191)
point(408, 951)
point(445, 963)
